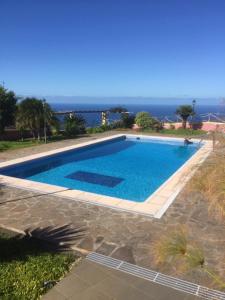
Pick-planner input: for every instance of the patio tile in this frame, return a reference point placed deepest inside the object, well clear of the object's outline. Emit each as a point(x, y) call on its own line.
point(91, 293)
point(89, 273)
point(53, 294)
point(71, 285)
point(120, 291)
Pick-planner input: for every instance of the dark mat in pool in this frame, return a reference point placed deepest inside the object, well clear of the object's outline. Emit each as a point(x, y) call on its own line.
point(95, 178)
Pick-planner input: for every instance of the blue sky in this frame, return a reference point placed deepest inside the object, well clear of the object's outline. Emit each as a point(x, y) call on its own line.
point(160, 48)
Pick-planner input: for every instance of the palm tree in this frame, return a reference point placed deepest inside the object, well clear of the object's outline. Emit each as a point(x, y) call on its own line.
point(32, 115)
point(185, 111)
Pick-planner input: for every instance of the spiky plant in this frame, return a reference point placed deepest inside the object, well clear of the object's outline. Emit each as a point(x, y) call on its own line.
point(176, 246)
point(171, 246)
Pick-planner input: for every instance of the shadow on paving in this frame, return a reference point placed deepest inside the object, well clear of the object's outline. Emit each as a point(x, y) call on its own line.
point(36, 241)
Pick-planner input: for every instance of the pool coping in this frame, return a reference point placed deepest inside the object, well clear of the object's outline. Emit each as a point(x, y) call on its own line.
point(154, 206)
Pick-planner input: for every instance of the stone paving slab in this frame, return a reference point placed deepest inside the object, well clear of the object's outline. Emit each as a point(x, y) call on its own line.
point(122, 235)
point(91, 281)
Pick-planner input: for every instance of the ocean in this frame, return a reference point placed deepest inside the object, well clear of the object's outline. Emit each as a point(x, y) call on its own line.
point(159, 111)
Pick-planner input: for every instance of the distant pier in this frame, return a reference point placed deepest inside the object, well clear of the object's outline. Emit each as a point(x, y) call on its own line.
point(104, 113)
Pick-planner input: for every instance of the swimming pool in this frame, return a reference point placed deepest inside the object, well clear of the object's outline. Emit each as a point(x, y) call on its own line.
point(125, 167)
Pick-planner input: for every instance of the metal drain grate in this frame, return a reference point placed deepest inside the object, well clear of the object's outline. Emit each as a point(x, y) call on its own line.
point(177, 284)
point(138, 271)
point(104, 260)
point(169, 281)
point(210, 294)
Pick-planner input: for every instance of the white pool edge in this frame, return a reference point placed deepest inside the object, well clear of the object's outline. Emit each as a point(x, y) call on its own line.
point(154, 206)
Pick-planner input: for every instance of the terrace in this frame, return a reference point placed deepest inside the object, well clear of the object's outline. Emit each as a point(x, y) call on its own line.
point(118, 234)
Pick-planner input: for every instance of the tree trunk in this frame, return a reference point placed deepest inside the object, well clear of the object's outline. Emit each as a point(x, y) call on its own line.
point(184, 123)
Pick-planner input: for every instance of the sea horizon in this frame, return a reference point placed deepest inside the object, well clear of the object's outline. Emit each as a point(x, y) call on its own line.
point(160, 111)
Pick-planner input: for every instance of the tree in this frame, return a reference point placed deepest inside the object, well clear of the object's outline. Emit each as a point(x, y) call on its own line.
point(185, 111)
point(34, 114)
point(7, 108)
point(74, 125)
point(146, 121)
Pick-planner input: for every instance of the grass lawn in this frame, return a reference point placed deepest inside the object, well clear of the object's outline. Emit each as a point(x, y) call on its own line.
point(10, 145)
point(176, 132)
point(6, 145)
point(25, 265)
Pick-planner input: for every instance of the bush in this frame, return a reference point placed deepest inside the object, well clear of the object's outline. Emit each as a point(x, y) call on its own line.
point(91, 130)
point(26, 265)
point(106, 127)
point(117, 124)
point(128, 120)
point(196, 123)
point(4, 146)
point(146, 121)
point(74, 125)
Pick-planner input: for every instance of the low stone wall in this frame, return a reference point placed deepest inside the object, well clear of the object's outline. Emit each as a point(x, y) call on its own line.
point(206, 126)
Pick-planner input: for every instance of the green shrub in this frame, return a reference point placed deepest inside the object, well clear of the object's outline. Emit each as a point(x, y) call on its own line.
point(127, 120)
point(117, 124)
point(146, 121)
point(74, 125)
point(25, 267)
point(91, 130)
point(4, 146)
point(106, 127)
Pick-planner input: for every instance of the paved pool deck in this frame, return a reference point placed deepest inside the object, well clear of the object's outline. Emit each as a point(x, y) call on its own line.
point(91, 281)
point(120, 234)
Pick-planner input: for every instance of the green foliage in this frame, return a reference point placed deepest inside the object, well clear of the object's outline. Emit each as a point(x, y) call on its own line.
point(6, 145)
point(127, 120)
point(34, 114)
point(170, 246)
point(107, 127)
point(25, 266)
point(7, 108)
point(146, 121)
point(91, 130)
point(74, 125)
point(185, 111)
point(195, 258)
point(177, 132)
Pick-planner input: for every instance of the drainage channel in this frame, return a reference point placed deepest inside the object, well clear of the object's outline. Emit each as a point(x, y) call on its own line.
point(169, 281)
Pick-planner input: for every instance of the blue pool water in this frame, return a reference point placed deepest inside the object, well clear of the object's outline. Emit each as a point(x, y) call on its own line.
point(126, 167)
